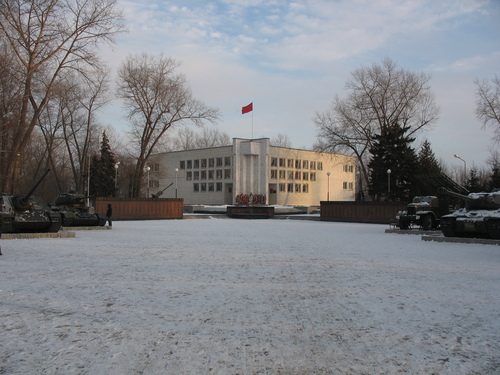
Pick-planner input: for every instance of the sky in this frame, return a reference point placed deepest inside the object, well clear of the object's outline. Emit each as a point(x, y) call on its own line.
point(291, 58)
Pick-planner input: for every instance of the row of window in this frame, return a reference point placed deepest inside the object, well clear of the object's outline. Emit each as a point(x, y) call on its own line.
point(207, 187)
point(296, 163)
point(211, 174)
point(293, 175)
point(205, 163)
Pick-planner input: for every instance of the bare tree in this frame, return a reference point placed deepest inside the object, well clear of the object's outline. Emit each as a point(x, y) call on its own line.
point(156, 98)
point(281, 140)
point(49, 38)
point(488, 105)
point(378, 96)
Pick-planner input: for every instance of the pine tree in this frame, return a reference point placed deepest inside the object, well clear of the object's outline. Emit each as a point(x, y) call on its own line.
point(427, 162)
point(391, 151)
point(102, 171)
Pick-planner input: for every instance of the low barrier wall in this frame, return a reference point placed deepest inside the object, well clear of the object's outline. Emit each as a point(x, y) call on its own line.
point(360, 212)
point(142, 208)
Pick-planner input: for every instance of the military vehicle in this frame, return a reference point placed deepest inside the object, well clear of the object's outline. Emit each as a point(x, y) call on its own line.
point(28, 213)
point(160, 193)
point(75, 212)
point(479, 218)
point(425, 211)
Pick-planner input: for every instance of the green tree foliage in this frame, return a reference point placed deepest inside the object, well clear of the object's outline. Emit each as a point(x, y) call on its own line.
point(391, 150)
point(427, 162)
point(102, 171)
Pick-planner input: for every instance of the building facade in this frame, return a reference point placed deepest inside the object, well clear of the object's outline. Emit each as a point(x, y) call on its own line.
point(287, 176)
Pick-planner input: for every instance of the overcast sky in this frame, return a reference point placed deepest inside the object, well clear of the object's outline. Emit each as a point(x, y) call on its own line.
point(291, 58)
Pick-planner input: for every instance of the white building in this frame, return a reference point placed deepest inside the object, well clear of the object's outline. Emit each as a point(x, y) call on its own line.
point(287, 176)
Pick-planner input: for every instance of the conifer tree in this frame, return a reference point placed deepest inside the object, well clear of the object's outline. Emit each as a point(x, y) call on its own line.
point(392, 151)
point(427, 162)
point(102, 172)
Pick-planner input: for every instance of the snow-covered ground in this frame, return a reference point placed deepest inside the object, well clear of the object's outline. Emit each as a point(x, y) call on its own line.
point(225, 296)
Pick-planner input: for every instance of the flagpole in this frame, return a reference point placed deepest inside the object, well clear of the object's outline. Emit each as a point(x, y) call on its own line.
point(252, 124)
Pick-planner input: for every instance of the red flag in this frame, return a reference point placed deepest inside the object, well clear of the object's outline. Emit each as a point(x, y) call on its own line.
point(246, 109)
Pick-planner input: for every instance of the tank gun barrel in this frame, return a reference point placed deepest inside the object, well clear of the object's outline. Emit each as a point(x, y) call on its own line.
point(444, 191)
point(158, 194)
point(27, 196)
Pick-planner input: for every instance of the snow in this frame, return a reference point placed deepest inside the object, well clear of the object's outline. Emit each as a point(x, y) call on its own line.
point(229, 296)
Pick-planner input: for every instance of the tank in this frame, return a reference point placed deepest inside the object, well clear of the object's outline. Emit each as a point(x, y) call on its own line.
point(28, 213)
point(75, 212)
point(479, 218)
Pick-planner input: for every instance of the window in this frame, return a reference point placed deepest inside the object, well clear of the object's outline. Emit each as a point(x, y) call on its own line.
point(227, 161)
point(313, 165)
point(297, 188)
point(298, 175)
point(218, 186)
point(320, 165)
point(218, 174)
point(196, 163)
point(274, 173)
point(196, 175)
point(274, 162)
point(282, 174)
point(305, 188)
point(283, 188)
point(203, 175)
point(211, 187)
point(289, 163)
point(348, 185)
point(219, 162)
point(189, 164)
point(203, 163)
point(227, 174)
point(282, 162)
point(289, 188)
point(211, 162)
point(155, 167)
point(182, 164)
point(297, 164)
point(211, 174)
point(196, 187)
point(349, 168)
point(313, 176)
point(305, 176)
point(154, 184)
point(290, 175)
point(189, 176)
point(305, 164)
point(203, 187)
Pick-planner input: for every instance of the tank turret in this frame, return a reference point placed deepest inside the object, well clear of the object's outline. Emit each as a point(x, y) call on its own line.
point(26, 213)
point(75, 211)
point(479, 218)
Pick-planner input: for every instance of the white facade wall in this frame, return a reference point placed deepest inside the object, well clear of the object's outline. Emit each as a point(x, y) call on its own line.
point(286, 176)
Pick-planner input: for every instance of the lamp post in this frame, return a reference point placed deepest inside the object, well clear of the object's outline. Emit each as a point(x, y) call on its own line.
point(465, 166)
point(116, 173)
point(389, 181)
point(176, 171)
point(147, 187)
point(328, 192)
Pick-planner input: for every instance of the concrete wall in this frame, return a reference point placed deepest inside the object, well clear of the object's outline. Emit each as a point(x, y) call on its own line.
point(360, 212)
point(142, 208)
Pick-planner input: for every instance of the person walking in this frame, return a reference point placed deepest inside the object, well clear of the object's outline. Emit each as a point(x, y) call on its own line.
point(109, 212)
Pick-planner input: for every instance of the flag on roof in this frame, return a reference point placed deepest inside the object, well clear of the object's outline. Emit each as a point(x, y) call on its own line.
point(247, 108)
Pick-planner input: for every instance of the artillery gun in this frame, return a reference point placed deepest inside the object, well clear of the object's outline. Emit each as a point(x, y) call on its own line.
point(28, 213)
point(479, 218)
point(159, 194)
point(75, 212)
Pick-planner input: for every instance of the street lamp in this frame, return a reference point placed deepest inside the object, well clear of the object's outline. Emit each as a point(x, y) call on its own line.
point(147, 188)
point(116, 172)
point(465, 166)
point(389, 180)
point(328, 193)
point(176, 170)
